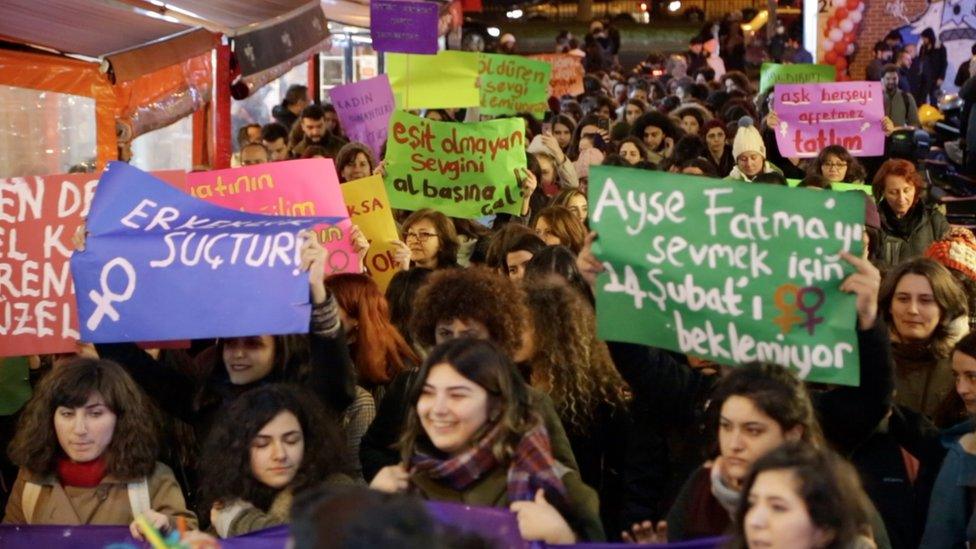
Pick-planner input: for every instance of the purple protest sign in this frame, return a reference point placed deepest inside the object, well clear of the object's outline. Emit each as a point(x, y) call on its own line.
point(364, 110)
point(403, 26)
point(813, 116)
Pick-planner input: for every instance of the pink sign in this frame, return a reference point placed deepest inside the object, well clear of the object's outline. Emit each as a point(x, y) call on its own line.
point(813, 116)
point(308, 187)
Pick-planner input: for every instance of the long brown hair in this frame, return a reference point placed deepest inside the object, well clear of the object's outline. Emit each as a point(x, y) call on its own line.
point(381, 351)
point(570, 364)
point(132, 452)
point(488, 365)
point(564, 225)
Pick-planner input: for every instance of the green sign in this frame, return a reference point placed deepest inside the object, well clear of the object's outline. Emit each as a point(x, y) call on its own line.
point(465, 170)
point(866, 189)
point(513, 84)
point(771, 74)
point(443, 81)
point(15, 388)
point(732, 272)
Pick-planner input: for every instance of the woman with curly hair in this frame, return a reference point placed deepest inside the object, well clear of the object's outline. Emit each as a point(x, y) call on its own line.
point(354, 161)
point(556, 226)
point(926, 312)
point(473, 435)
point(429, 241)
point(457, 303)
point(567, 362)
point(86, 448)
point(837, 165)
point(271, 443)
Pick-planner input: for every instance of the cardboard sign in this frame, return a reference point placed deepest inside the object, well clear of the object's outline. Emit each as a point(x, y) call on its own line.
point(447, 80)
point(403, 26)
point(771, 74)
point(39, 215)
point(307, 187)
point(813, 116)
point(162, 265)
point(364, 110)
point(567, 73)
point(463, 170)
point(731, 272)
point(513, 84)
point(369, 208)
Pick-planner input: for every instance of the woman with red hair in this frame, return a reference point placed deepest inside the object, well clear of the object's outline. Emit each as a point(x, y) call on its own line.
point(908, 226)
point(379, 350)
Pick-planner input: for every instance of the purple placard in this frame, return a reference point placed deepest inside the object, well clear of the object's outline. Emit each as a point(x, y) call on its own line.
point(403, 26)
point(364, 110)
point(812, 116)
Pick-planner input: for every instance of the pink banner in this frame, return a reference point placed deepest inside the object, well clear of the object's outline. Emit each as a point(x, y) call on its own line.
point(813, 116)
point(308, 187)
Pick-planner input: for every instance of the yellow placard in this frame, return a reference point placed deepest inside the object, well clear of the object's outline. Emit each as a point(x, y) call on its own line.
point(369, 209)
point(448, 80)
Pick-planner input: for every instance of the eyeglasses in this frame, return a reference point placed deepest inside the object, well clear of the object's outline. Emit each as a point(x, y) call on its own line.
point(421, 237)
point(837, 165)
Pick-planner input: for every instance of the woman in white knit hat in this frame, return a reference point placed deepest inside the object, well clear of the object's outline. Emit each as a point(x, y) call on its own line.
point(749, 153)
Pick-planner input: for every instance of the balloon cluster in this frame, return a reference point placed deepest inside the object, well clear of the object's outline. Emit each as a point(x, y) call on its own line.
point(840, 33)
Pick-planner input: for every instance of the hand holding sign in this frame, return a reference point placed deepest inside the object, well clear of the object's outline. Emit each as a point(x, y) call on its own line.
point(313, 256)
point(161, 265)
point(865, 284)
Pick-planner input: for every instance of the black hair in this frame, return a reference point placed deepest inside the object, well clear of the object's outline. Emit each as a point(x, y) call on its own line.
point(314, 112)
point(273, 132)
point(773, 178)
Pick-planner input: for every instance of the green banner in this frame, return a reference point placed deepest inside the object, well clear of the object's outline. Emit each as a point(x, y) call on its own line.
point(731, 272)
point(461, 169)
point(15, 388)
point(513, 84)
point(447, 80)
point(771, 74)
point(866, 189)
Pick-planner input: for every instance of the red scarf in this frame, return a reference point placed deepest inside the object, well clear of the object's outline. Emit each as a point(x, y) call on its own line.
point(532, 467)
point(82, 475)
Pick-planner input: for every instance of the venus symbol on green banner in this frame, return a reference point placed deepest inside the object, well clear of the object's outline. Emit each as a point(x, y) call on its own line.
point(731, 272)
point(465, 170)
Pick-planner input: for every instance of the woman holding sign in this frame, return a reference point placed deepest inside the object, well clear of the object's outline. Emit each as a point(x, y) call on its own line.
point(319, 360)
point(837, 165)
point(429, 241)
point(473, 436)
point(908, 225)
point(271, 442)
point(86, 448)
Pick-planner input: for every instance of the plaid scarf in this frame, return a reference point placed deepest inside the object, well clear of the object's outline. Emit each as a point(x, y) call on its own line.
point(532, 467)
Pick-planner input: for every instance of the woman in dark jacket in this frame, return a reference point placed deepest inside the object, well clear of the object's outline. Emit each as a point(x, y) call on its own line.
point(932, 64)
point(565, 360)
point(908, 226)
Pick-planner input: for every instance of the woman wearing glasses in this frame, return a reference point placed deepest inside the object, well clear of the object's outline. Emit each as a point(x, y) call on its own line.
point(837, 165)
point(429, 241)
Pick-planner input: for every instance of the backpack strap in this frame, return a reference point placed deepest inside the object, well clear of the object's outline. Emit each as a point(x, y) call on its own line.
point(28, 499)
point(139, 500)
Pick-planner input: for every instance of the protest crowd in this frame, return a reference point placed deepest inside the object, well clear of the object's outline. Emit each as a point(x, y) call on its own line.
point(491, 365)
